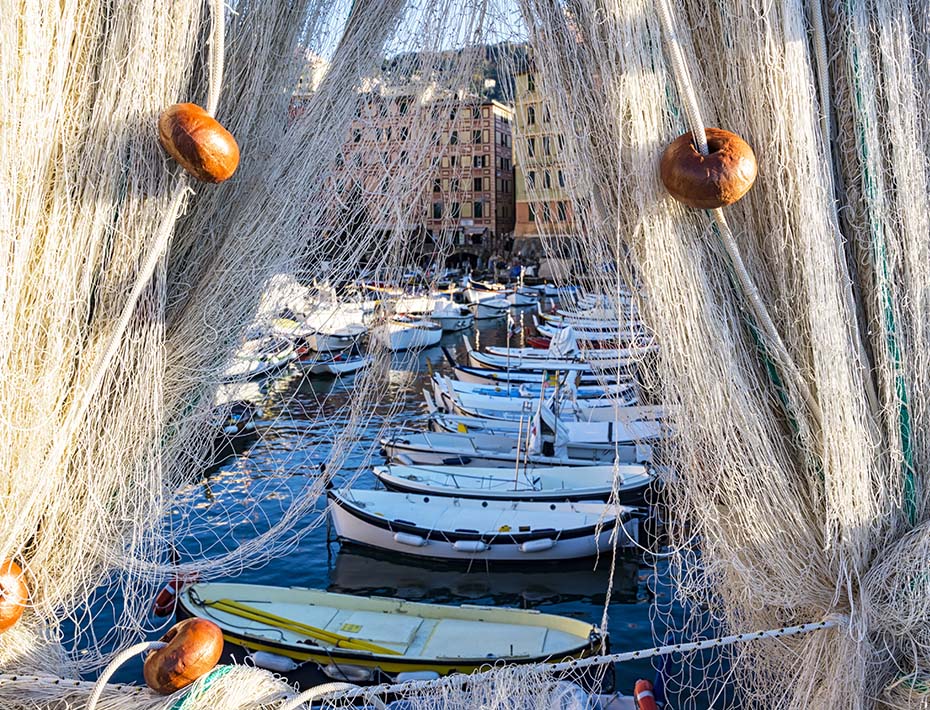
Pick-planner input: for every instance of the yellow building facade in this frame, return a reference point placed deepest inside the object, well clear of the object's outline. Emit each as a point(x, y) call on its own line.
point(543, 206)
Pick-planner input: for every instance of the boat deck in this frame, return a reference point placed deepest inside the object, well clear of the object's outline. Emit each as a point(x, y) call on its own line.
point(409, 635)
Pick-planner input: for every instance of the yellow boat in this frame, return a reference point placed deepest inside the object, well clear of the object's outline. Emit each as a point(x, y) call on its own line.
point(356, 633)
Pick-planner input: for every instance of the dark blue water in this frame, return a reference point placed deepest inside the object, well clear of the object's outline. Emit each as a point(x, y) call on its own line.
point(249, 492)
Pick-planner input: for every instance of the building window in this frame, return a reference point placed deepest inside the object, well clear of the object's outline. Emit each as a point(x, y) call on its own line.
point(476, 161)
point(404, 133)
point(387, 133)
point(382, 110)
point(402, 159)
point(561, 142)
point(452, 114)
point(547, 116)
point(478, 185)
point(531, 179)
point(530, 115)
point(530, 82)
point(531, 209)
point(455, 210)
point(561, 179)
point(454, 138)
point(437, 184)
point(485, 160)
point(356, 136)
point(479, 210)
point(531, 147)
point(476, 137)
point(452, 160)
point(476, 113)
point(547, 217)
point(561, 211)
point(547, 146)
point(454, 185)
point(547, 180)
point(437, 210)
point(403, 106)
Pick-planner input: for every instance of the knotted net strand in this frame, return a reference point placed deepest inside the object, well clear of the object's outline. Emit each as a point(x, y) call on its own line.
point(797, 519)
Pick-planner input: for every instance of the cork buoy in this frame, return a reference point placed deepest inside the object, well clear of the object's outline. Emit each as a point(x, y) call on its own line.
point(193, 648)
point(198, 142)
point(708, 181)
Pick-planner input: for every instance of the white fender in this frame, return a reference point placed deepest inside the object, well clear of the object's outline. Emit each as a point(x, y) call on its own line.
point(471, 546)
point(272, 661)
point(409, 539)
point(541, 545)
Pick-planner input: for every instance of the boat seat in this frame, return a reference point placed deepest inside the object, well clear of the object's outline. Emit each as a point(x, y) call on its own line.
point(318, 616)
point(377, 627)
point(456, 638)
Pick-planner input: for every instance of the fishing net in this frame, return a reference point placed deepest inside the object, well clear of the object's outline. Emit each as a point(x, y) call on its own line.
point(792, 325)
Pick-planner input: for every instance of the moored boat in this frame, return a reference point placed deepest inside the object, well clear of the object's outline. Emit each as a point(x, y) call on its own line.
point(490, 308)
point(538, 483)
point(258, 357)
point(335, 365)
point(468, 529)
point(403, 333)
point(478, 449)
point(341, 632)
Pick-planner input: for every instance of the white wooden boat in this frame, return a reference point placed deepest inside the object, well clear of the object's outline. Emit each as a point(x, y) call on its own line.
point(532, 389)
point(538, 483)
point(402, 333)
point(490, 450)
point(437, 307)
point(467, 529)
point(334, 327)
point(635, 336)
point(258, 357)
point(522, 297)
point(585, 410)
point(490, 308)
point(452, 316)
point(594, 355)
point(609, 433)
point(494, 375)
point(348, 633)
point(336, 365)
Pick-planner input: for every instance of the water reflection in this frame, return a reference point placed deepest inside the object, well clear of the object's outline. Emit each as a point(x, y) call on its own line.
point(361, 571)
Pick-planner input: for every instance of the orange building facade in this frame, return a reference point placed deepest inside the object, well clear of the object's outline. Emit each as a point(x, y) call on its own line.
point(457, 157)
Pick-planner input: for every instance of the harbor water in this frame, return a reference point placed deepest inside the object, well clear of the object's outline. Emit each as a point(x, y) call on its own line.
point(302, 417)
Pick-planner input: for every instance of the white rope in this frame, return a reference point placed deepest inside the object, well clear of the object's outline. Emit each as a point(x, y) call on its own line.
point(319, 691)
point(119, 660)
point(217, 54)
point(576, 664)
point(75, 416)
point(751, 293)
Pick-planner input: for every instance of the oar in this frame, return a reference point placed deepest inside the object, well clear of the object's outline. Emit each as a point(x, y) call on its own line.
point(340, 641)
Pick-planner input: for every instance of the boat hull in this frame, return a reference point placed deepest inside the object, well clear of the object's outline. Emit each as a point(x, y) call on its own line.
point(626, 495)
point(360, 528)
point(245, 633)
point(485, 310)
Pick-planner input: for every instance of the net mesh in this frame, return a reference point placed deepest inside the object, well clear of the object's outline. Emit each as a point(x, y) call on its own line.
point(800, 511)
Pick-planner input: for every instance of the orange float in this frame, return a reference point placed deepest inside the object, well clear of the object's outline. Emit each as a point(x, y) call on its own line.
point(643, 696)
point(709, 181)
point(13, 594)
point(193, 649)
point(198, 142)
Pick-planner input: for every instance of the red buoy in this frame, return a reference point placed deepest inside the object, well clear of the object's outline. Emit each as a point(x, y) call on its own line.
point(643, 695)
